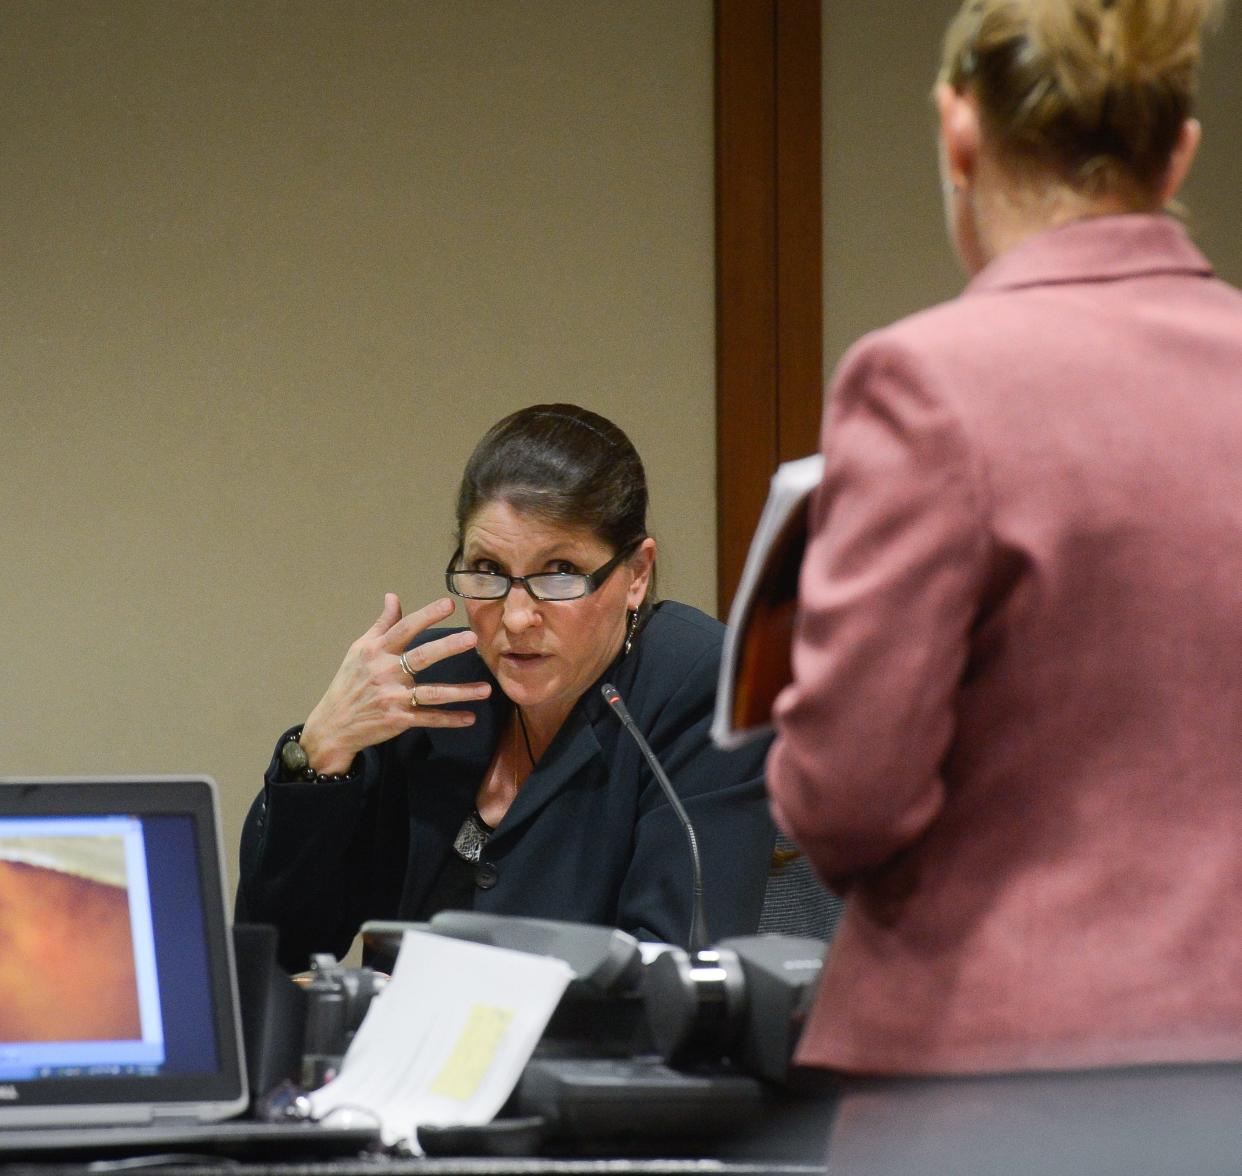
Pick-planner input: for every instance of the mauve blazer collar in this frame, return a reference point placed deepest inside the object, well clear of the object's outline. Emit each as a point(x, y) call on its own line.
point(1095, 249)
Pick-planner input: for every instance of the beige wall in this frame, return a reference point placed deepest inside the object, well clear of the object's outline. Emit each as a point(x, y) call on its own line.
point(885, 252)
point(268, 271)
point(269, 268)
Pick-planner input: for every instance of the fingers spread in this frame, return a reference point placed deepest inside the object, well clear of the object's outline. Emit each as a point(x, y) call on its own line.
point(369, 699)
point(407, 628)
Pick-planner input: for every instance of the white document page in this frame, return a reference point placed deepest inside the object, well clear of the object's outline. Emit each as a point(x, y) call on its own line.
point(447, 1039)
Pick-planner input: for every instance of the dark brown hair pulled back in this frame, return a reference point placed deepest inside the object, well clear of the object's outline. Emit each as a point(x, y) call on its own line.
point(1095, 90)
point(562, 463)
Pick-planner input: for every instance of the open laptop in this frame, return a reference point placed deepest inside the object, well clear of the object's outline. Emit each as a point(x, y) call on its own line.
point(120, 1030)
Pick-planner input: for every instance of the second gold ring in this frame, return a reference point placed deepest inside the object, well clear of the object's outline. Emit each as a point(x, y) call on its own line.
point(414, 698)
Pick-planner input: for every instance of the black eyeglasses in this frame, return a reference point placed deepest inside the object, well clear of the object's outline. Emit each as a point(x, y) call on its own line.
point(541, 585)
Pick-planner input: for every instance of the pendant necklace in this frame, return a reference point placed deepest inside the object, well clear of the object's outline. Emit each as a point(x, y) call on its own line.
point(530, 755)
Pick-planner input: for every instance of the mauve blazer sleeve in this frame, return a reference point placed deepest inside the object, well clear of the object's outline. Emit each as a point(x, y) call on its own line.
point(888, 594)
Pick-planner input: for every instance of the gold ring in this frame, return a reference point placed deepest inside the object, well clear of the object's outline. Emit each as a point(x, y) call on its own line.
point(405, 665)
point(414, 698)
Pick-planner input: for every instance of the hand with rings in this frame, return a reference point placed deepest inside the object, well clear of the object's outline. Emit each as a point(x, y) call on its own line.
point(376, 693)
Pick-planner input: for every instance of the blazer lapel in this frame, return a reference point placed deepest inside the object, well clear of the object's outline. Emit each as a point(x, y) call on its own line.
point(574, 750)
point(571, 753)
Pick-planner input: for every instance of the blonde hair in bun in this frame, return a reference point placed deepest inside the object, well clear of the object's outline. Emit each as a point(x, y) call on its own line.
point(1094, 90)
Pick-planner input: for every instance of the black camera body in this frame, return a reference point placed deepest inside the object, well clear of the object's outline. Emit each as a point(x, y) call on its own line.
point(337, 999)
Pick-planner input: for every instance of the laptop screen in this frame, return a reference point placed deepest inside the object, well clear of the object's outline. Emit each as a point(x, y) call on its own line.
point(117, 1000)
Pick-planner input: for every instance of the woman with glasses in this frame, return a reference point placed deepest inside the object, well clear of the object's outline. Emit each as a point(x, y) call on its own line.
point(480, 768)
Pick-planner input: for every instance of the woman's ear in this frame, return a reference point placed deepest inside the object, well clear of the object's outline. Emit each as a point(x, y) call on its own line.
point(640, 565)
point(959, 135)
point(1182, 157)
point(961, 171)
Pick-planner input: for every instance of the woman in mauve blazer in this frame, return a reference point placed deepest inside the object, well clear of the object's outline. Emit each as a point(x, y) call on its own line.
point(1014, 735)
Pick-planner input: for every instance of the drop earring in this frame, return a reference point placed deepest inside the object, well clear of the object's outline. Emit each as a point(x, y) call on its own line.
point(633, 628)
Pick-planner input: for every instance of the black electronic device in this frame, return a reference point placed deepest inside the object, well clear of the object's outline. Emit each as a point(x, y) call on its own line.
point(744, 1000)
point(337, 999)
point(114, 900)
point(122, 1029)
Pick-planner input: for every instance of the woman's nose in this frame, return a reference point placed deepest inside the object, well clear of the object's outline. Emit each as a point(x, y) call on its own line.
point(521, 609)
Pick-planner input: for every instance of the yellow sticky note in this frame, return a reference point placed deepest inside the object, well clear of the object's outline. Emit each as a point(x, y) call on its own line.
point(474, 1052)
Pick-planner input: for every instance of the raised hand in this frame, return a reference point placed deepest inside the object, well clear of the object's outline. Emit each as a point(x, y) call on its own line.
point(372, 698)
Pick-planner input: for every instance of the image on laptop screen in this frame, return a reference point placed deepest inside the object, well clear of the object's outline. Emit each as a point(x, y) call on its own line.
point(117, 1000)
point(79, 989)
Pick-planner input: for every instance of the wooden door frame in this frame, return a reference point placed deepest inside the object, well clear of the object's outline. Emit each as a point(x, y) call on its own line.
point(769, 292)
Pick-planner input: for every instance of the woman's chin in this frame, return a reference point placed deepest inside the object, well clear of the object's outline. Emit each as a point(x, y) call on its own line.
point(525, 673)
point(525, 690)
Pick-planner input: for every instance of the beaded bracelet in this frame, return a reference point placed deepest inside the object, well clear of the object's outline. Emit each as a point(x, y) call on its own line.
point(294, 765)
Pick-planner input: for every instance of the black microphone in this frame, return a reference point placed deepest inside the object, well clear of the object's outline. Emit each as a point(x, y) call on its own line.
point(698, 920)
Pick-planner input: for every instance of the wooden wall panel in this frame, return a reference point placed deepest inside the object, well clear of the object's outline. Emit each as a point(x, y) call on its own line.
point(768, 258)
point(799, 229)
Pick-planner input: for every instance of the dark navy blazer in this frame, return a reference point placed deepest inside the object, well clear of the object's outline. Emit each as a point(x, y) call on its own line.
point(590, 837)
